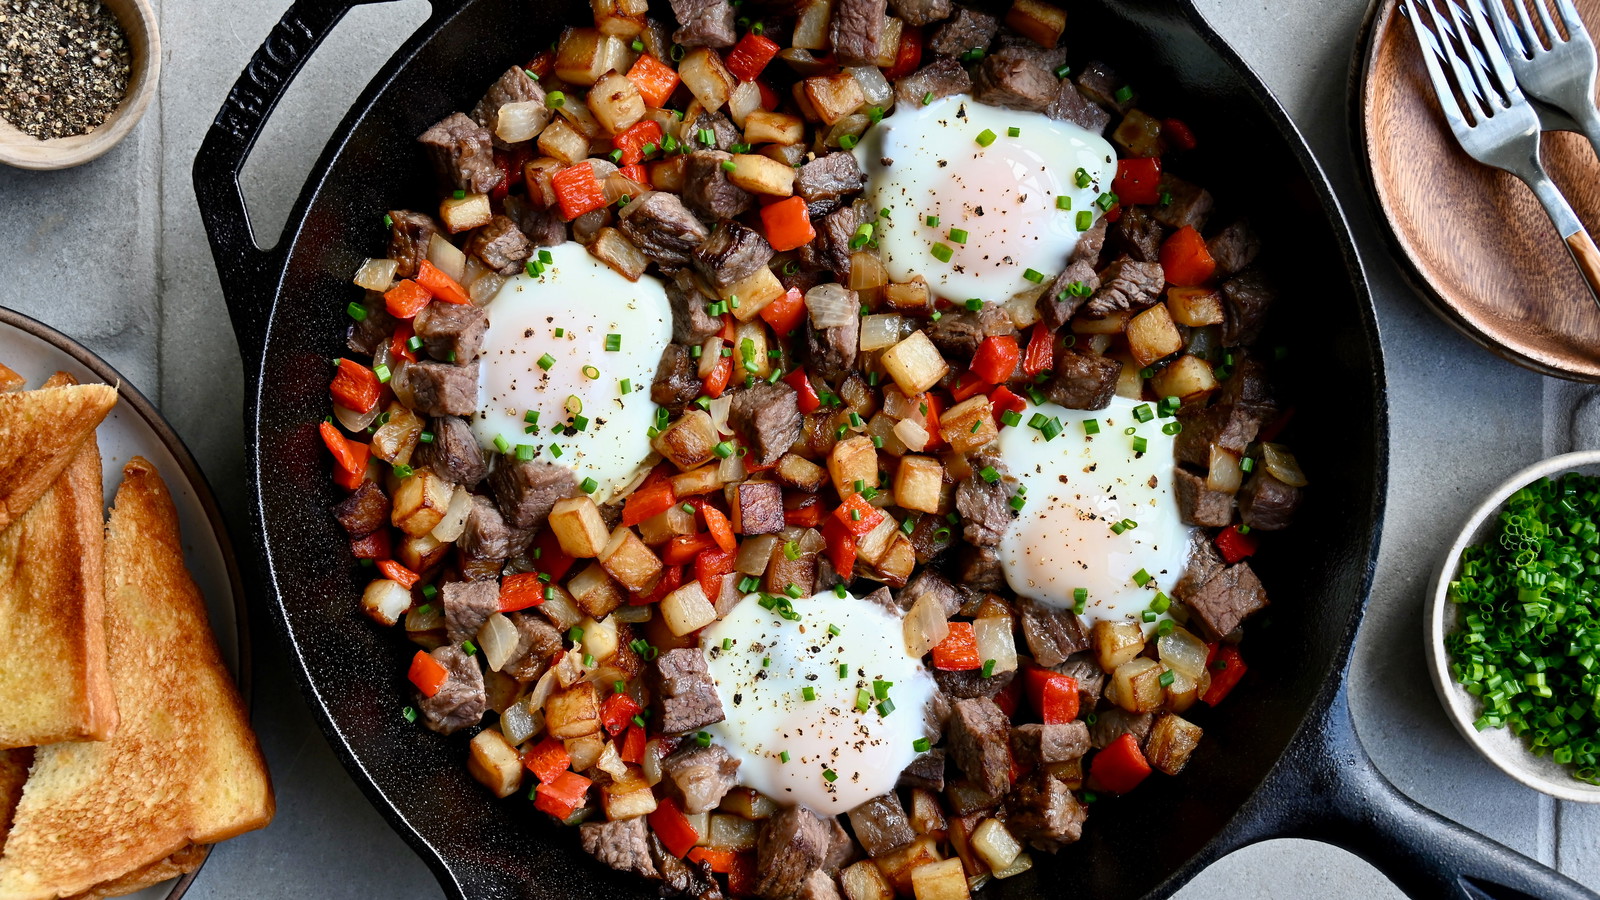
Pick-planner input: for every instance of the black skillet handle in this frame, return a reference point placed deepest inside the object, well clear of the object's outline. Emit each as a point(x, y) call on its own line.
point(1326, 788)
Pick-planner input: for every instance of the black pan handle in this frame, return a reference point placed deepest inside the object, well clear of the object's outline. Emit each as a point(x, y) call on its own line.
point(1326, 788)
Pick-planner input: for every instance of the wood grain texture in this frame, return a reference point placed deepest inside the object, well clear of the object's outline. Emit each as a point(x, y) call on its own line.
point(1475, 236)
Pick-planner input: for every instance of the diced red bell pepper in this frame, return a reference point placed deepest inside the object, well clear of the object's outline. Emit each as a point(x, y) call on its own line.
point(1227, 667)
point(1008, 699)
point(562, 797)
point(907, 56)
point(719, 526)
point(1002, 400)
point(548, 555)
point(1185, 260)
point(631, 750)
point(671, 579)
point(958, 652)
point(709, 567)
point(1119, 767)
point(784, 313)
point(637, 173)
point(427, 673)
point(349, 457)
point(1041, 353)
point(857, 515)
point(717, 381)
point(805, 511)
point(750, 56)
point(1113, 214)
point(355, 387)
point(969, 384)
point(1052, 695)
point(808, 401)
point(787, 224)
point(440, 285)
point(406, 299)
point(719, 859)
point(655, 80)
point(399, 345)
point(935, 440)
point(521, 591)
point(683, 548)
point(1177, 134)
point(547, 759)
point(673, 828)
point(503, 189)
point(840, 545)
point(652, 498)
point(618, 711)
point(377, 545)
point(769, 96)
point(632, 140)
point(542, 63)
point(578, 191)
point(996, 358)
point(398, 573)
point(1235, 546)
point(1137, 180)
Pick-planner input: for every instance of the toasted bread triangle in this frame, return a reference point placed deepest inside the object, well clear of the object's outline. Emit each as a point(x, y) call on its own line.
point(13, 772)
point(183, 767)
point(181, 863)
point(40, 432)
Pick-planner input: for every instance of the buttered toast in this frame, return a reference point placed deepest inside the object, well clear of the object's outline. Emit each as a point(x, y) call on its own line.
point(40, 433)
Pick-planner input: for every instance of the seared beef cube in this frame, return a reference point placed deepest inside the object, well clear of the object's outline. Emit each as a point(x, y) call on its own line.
point(698, 777)
point(684, 692)
point(1052, 634)
point(792, 844)
point(841, 847)
point(681, 878)
point(1267, 504)
point(677, 381)
point(1138, 235)
point(706, 188)
point(985, 514)
point(1070, 105)
point(1011, 42)
point(1061, 300)
point(500, 245)
point(884, 598)
point(731, 254)
point(770, 415)
point(364, 511)
point(1233, 248)
point(454, 454)
point(758, 507)
point(724, 134)
point(1015, 81)
point(1125, 285)
point(515, 86)
point(1199, 505)
point(824, 181)
point(661, 227)
point(691, 323)
point(856, 30)
point(1204, 563)
point(375, 329)
point(488, 535)
point(538, 642)
point(921, 12)
point(1228, 426)
point(527, 489)
point(1091, 244)
point(831, 248)
point(541, 227)
point(408, 240)
point(463, 154)
point(467, 605)
point(1248, 388)
point(1184, 203)
point(1100, 83)
point(830, 353)
point(441, 389)
point(965, 685)
point(461, 700)
point(1091, 679)
point(881, 825)
point(623, 844)
point(958, 334)
point(944, 77)
point(1246, 297)
point(926, 771)
point(967, 30)
point(704, 23)
point(820, 886)
point(980, 742)
point(1230, 597)
point(1041, 745)
point(1083, 380)
point(929, 582)
point(979, 568)
point(1115, 722)
point(1044, 813)
point(452, 332)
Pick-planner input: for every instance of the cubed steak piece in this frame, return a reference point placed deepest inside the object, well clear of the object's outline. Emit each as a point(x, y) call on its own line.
point(364, 511)
point(979, 568)
point(979, 741)
point(1083, 380)
point(1091, 244)
point(1090, 677)
point(1233, 248)
point(731, 254)
point(830, 353)
point(1138, 235)
point(467, 605)
point(793, 843)
point(454, 454)
point(929, 583)
point(820, 886)
point(488, 535)
point(623, 844)
point(1014, 80)
point(757, 507)
point(677, 382)
point(944, 77)
point(374, 330)
point(461, 700)
point(1070, 105)
point(691, 323)
point(525, 490)
point(724, 134)
point(663, 228)
point(542, 227)
point(963, 32)
point(958, 334)
point(1204, 563)
point(698, 777)
point(681, 878)
point(856, 30)
point(830, 249)
point(1052, 634)
point(1076, 283)
point(408, 240)
point(685, 694)
point(1044, 813)
point(1248, 387)
point(1183, 203)
point(500, 245)
point(824, 182)
point(1230, 597)
point(770, 415)
point(921, 12)
point(452, 332)
point(926, 771)
point(515, 86)
point(707, 190)
point(537, 643)
point(1246, 298)
point(881, 825)
point(440, 389)
point(1198, 504)
point(1267, 504)
point(1126, 285)
point(1038, 745)
point(965, 685)
point(985, 515)
point(1230, 426)
point(1115, 722)
point(463, 153)
point(704, 23)
point(1100, 83)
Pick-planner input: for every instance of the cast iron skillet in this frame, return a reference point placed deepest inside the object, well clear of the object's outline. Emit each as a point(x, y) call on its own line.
point(1280, 757)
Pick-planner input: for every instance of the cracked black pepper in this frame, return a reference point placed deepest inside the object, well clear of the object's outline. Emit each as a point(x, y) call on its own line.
point(64, 65)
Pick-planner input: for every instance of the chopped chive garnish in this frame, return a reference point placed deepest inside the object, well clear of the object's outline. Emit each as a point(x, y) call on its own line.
point(469, 648)
point(1171, 428)
point(589, 485)
point(1013, 131)
point(1085, 220)
point(958, 236)
point(555, 450)
point(409, 713)
point(1034, 275)
point(1143, 412)
point(1051, 429)
point(808, 693)
point(501, 444)
point(1081, 178)
point(1063, 202)
point(1140, 445)
point(382, 371)
point(1141, 578)
point(988, 668)
point(459, 194)
point(388, 221)
point(702, 738)
point(1011, 417)
point(1123, 94)
point(927, 98)
point(942, 252)
point(989, 474)
point(921, 745)
point(844, 670)
point(880, 688)
point(1080, 599)
point(829, 775)
point(886, 707)
point(546, 361)
point(729, 165)
point(524, 452)
point(723, 450)
point(784, 756)
point(613, 342)
point(986, 137)
point(848, 141)
point(839, 591)
point(555, 99)
point(1091, 426)
point(356, 311)
point(974, 304)
point(863, 700)
point(933, 221)
point(1106, 201)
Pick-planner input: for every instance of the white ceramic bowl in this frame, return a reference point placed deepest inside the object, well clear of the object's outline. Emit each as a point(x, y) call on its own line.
point(1498, 745)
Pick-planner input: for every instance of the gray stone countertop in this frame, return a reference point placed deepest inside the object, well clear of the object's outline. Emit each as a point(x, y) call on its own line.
point(149, 302)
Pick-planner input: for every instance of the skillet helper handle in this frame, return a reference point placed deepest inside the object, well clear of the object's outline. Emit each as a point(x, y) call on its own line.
point(1587, 256)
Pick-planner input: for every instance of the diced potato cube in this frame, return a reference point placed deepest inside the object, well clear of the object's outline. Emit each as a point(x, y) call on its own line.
point(688, 442)
point(969, 424)
point(687, 609)
point(665, 525)
point(917, 483)
point(629, 561)
point(888, 42)
point(811, 26)
point(757, 507)
point(707, 78)
point(732, 832)
point(863, 881)
point(420, 502)
point(754, 293)
point(751, 358)
point(1115, 643)
point(563, 143)
point(599, 638)
point(1194, 306)
point(385, 601)
point(465, 213)
point(615, 102)
point(579, 527)
point(1021, 864)
point(1112, 324)
point(560, 608)
point(396, 439)
point(1136, 685)
point(761, 175)
point(944, 880)
point(1189, 378)
point(873, 546)
point(421, 552)
point(834, 96)
point(585, 751)
point(584, 54)
point(994, 844)
point(667, 174)
point(593, 592)
point(926, 815)
point(1039, 21)
point(910, 295)
point(853, 460)
point(536, 174)
point(762, 127)
point(749, 803)
point(915, 363)
point(1139, 133)
point(612, 248)
point(802, 473)
point(623, 18)
point(1152, 335)
point(1172, 739)
point(897, 562)
point(573, 712)
point(703, 480)
point(994, 640)
point(494, 762)
point(897, 865)
point(627, 804)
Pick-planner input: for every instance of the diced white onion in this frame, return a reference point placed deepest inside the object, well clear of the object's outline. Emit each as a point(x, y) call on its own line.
point(710, 353)
point(455, 516)
point(880, 331)
point(731, 470)
point(523, 121)
point(377, 274)
point(1224, 474)
point(1182, 652)
point(873, 84)
point(518, 723)
point(447, 257)
point(913, 435)
point(992, 634)
point(853, 125)
point(385, 601)
point(498, 640)
point(354, 421)
point(426, 617)
point(1282, 464)
point(610, 762)
point(745, 99)
point(652, 762)
point(925, 625)
point(484, 288)
point(719, 410)
point(754, 554)
point(831, 305)
point(542, 689)
point(1023, 307)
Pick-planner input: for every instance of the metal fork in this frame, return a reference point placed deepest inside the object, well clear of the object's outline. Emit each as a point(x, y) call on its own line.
point(1563, 74)
point(1504, 130)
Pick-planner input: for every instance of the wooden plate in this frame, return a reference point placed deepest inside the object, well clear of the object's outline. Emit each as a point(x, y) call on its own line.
point(1480, 246)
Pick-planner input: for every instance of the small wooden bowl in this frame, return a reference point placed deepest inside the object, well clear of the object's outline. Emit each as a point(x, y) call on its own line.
point(1473, 239)
point(28, 152)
